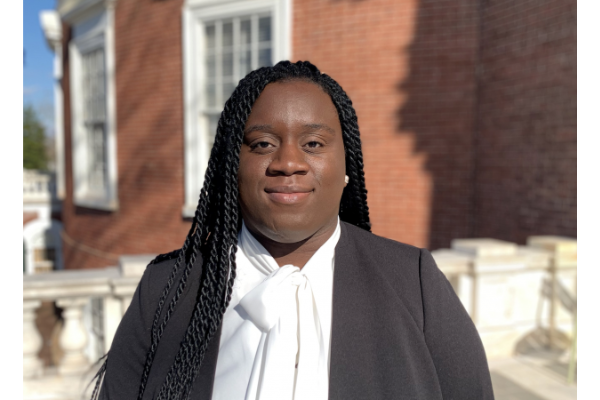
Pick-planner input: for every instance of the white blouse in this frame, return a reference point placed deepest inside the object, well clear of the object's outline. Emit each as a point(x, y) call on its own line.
point(275, 338)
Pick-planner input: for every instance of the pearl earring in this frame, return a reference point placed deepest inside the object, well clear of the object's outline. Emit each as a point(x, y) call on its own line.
point(347, 179)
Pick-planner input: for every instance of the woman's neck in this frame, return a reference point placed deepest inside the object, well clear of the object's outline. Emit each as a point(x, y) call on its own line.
point(298, 253)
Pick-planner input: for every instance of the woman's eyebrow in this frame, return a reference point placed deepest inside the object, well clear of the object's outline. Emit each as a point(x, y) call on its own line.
point(254, 128)
point(320, 127)
point(269, 128)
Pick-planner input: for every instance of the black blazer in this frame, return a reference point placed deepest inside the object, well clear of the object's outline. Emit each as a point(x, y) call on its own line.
point(398, 330)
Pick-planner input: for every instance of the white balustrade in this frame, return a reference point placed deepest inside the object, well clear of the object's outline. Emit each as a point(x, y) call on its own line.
point(73, 337)
point(508, 291)
point(72, 290)
point(457, 269)
point(32, 340)
point(38, 186)
point(561, 286)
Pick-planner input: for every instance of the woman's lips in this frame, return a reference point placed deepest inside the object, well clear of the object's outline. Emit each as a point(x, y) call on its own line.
point(288, 195)
point(288, 198)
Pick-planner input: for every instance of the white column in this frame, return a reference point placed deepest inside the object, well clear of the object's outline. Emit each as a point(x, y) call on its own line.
point(112, 318)
point(32, 340)
point(457, 268)
point(73, 338)
point(51, 24)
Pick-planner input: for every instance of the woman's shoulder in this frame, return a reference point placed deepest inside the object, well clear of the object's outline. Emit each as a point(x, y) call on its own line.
point(162, 269)
point(163, 258)
point(375, 245)
point(397, 265)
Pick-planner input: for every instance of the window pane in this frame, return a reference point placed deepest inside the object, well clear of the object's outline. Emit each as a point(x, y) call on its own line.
point(97, 158)
point(228, 34)
point(245, 62)
point(227, 90)
point(245, 33)
point(210, 36)
point(85, 86)
point(264, 29)
point(227, 63)
point(93, 86)
point(211, 95)
point(100, 83)
point(264, 57)
point(211, 67)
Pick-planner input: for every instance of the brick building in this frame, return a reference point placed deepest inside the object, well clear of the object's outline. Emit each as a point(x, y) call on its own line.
point(467, 111)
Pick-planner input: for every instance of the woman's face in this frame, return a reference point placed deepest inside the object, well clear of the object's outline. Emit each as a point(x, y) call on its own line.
point(292, 163)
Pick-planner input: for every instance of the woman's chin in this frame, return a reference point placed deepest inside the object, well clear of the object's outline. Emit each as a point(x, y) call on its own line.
point(283, 230)
point(289, 229)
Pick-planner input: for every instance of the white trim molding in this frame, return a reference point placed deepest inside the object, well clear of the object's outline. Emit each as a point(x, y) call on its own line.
point(42, 233)
point(92, 24)
point(52, 27)
point(195, 15)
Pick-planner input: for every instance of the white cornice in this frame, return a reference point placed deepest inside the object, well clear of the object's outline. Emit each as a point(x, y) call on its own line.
point(77, 11)
point(52, 27)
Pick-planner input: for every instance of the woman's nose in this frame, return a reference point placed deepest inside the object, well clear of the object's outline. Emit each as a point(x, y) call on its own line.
point(288, 160)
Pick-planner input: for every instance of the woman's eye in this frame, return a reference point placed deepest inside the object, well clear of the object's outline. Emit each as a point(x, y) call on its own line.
point(313, 145)
point(261, 145)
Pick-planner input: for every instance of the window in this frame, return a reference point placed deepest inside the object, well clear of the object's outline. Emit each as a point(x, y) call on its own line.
point(222, 44)
point(94, 119)
point(233, 48)
point(93, 127)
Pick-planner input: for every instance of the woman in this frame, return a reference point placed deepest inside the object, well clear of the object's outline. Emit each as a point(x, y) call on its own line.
point(250, 307)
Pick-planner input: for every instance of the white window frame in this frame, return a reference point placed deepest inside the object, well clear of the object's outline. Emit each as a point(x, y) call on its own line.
point(196, 135)
point(92, 25)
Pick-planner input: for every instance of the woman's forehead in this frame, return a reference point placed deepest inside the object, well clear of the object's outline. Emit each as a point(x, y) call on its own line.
point(294, 102)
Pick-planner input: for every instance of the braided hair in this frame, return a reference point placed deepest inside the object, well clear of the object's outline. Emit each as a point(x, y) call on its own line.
point(214, 231)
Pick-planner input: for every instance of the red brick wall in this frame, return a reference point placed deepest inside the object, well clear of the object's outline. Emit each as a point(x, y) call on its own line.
point(448, 152)
point(526, 181)
point(408, 67)
point(149, 142)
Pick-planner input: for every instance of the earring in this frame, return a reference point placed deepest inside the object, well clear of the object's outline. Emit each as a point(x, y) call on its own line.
point(347, 179)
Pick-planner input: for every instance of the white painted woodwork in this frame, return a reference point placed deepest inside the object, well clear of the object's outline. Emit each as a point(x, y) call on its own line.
point(32, 341)
point(200, 117)
point(74, 337)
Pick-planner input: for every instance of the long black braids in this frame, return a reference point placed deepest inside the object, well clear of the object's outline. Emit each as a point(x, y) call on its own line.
point(217, 221)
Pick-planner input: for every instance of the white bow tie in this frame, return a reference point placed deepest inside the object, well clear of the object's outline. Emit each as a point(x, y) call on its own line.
point(291, 361)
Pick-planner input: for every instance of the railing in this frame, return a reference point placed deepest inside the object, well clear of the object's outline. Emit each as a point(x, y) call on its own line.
point(38, 186)
point(517, 296)
point(72, 290)
point(511, 292)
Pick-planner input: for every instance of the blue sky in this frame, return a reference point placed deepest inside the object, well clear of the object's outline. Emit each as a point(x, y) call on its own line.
point(37, 69)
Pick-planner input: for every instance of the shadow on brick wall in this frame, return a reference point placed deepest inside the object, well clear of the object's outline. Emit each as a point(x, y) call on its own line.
point(440, 110)
point(492, 103)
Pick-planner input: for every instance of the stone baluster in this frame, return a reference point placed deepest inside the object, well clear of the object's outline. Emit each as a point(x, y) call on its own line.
point(506, 280)
point(123, 287)
point(112, 317)
point(457, 269)
point(32, 340)
point(114, 309)
point(563, 282)
point(74, 337)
